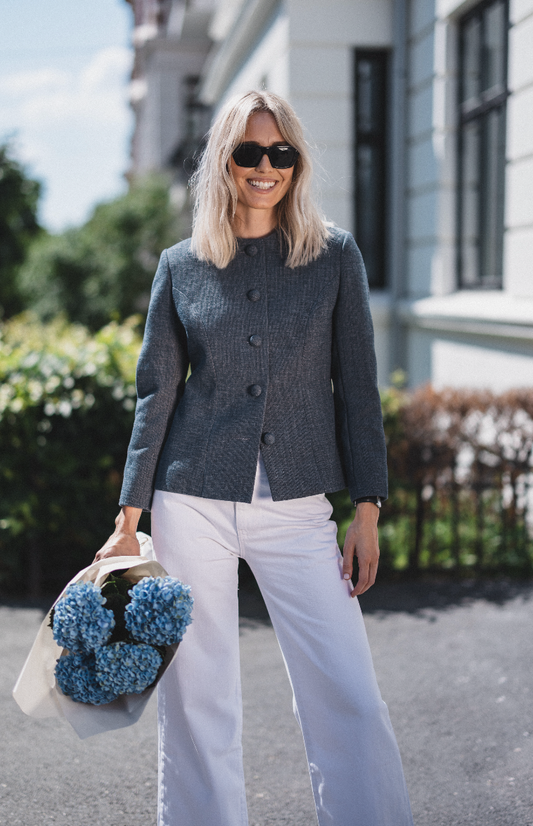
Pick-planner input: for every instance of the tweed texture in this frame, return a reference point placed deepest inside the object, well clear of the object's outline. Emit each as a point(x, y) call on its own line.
point(281, 361)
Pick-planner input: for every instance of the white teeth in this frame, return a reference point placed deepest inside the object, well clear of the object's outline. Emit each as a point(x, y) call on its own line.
point(263, 184)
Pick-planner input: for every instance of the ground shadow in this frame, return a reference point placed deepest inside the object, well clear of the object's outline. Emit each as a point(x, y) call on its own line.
point(405, 596)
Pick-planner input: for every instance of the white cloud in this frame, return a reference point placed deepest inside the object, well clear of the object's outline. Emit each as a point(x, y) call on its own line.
point(49, 97)
point(72, 127)
point(32, 81)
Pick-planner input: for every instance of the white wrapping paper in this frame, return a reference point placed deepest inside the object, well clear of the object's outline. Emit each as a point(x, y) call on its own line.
point(36, 690)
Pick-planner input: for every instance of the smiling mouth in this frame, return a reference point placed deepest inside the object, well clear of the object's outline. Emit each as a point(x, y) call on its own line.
point(263, 185)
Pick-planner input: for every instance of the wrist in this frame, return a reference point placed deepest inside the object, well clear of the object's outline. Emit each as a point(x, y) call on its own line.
point(366, 512)
point(128, 519)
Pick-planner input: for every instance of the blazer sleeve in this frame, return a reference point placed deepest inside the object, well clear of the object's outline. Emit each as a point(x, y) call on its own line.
point(359, 420)
point(161, 374)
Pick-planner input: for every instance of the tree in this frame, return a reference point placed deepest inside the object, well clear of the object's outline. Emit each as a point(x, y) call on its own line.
point(103, 270)
point(19, 196)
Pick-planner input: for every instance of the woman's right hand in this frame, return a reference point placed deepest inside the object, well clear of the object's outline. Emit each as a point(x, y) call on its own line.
point(123, 541)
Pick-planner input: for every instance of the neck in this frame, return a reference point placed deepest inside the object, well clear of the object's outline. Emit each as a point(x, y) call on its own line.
point(254, 223)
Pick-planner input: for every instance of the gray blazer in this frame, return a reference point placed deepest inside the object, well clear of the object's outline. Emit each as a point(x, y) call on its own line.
point(281, 361)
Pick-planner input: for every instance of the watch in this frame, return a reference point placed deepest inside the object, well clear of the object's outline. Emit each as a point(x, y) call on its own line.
point(376, 500)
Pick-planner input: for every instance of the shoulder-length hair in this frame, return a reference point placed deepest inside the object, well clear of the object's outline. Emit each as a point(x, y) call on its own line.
point(305, 232)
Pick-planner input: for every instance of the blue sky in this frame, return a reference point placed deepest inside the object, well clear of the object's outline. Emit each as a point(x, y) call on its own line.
point(64, 73)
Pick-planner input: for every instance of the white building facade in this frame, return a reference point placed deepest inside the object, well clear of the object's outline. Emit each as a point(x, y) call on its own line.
point(421, 115)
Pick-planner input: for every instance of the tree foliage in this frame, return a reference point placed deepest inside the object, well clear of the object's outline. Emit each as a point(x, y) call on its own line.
point(19, 195)
point(103, 270)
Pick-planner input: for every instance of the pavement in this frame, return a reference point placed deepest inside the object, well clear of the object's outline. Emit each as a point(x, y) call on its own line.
point(454, 663)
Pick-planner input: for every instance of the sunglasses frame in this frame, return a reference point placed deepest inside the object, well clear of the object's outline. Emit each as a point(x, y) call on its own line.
point(264, 150)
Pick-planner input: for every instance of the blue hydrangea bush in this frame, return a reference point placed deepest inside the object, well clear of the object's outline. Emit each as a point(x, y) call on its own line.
point(81, 623)
point(127, 668)
point(118, 649)
point(159, 611)
point(76, 676)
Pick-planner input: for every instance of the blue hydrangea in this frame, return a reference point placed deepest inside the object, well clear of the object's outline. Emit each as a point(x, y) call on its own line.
point(159, 611)
point(81, 623)
point(127, 668)
point(76, 677)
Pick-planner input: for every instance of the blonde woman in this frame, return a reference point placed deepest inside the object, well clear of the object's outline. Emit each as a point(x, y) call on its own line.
point(268, 307)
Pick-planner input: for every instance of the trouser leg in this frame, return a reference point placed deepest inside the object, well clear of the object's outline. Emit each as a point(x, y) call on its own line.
point(201, 780)
point(353, 757)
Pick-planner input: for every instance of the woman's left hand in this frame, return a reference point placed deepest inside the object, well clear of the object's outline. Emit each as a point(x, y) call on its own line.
point(362, 541)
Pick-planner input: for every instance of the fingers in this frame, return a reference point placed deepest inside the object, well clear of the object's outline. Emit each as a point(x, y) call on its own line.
point(367, 577)
point(118, 546)
point(361, 541)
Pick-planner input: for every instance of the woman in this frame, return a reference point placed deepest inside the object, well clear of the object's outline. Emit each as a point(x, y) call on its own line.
point(268, 307)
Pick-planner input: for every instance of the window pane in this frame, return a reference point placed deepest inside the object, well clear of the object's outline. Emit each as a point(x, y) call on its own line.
point(481, 143)
point(469, 205)
point(370, 94)
point(471, 76)
point(369, 212)
point(493, 60)
point(370, 161)
point(491, 200)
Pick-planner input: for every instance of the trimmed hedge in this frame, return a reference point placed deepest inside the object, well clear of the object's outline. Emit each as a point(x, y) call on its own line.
point(460, 474)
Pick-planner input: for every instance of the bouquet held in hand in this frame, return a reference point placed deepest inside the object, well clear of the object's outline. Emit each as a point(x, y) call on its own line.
point(114, 637)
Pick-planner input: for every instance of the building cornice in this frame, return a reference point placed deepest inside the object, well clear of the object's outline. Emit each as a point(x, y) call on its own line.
point(228, 56)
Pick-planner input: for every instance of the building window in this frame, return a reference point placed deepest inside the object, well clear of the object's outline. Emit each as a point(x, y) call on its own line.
point(371, 106)
point(481, 151)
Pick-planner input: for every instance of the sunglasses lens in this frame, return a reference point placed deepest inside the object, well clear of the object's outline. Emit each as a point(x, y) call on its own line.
point(283, 157)
point(247, 154)
point(250, 154)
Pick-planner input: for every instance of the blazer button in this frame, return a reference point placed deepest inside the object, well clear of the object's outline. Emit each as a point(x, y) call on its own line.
point(255, 341)
point(253, 295)
point(255, 390)
point(268, 438)
point(251, 250)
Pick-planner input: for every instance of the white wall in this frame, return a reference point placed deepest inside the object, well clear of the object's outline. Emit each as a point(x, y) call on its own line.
point(267, 65)
point(160, 118)
point(322, 38)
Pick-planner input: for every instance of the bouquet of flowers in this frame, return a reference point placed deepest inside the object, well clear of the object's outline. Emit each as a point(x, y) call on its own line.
point(115, 637)
point(105, 643)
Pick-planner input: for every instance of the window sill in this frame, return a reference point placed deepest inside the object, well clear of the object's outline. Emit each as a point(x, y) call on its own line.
point(472, 312)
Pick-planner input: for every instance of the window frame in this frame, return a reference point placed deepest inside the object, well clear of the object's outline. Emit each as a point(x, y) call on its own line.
point(379, 140)
point(477, 114)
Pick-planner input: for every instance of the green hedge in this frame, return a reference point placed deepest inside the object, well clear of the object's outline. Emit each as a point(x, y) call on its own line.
point(459, 462)
point(67, 401)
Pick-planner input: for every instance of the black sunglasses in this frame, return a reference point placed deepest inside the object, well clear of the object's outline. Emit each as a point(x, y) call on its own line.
point(280, 156)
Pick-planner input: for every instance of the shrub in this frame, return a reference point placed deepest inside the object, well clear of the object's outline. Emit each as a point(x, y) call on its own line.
point(67, 403)
point(460, 473)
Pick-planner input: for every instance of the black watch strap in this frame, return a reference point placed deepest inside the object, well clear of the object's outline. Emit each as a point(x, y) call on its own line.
point(376, 500)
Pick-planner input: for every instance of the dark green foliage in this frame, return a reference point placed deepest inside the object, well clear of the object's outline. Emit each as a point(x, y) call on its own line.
point(66, 411)
point(117, 597)
point(19, 195)
point(103, 270)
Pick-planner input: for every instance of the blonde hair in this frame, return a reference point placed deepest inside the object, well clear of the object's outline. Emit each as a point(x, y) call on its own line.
point(304, 230)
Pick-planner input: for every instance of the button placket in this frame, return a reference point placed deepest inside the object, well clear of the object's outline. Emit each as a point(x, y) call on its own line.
point(255, 339)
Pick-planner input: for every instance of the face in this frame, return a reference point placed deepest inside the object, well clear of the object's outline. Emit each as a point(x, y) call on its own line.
point(262, 187)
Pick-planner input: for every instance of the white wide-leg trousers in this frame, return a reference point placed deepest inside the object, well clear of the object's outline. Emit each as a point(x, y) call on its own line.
point(291, 547)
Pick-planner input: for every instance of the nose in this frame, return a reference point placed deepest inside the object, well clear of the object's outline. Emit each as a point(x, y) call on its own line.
point(264, 164)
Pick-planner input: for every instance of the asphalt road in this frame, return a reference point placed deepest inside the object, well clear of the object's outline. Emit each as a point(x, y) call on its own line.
point(454, 664)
